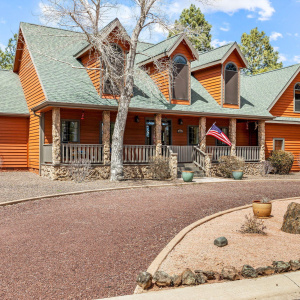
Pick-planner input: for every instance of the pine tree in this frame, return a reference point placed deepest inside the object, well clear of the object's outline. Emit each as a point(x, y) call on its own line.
point(259, 53)
point(7, 56)
point(193, 23)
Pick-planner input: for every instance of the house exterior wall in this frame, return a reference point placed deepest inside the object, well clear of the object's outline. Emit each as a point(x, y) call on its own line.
point(13, 142)
point(34, 95)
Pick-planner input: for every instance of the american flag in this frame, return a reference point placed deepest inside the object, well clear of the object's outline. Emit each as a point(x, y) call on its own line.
point(219, 134)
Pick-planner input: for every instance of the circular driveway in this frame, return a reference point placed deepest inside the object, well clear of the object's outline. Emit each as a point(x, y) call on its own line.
point(93, 246)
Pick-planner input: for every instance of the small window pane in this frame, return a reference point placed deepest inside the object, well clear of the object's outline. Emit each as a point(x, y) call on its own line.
point(278, 144)
point(70, 131)
point(179, 59)
point(231, 67)
point(193, 135)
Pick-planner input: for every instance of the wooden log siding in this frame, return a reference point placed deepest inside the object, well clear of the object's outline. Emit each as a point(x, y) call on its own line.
point(34, 95)
point(13, 142)
point(284, 107)
point(291, 136)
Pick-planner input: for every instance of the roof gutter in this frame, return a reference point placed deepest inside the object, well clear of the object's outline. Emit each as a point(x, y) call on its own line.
point(46, 104)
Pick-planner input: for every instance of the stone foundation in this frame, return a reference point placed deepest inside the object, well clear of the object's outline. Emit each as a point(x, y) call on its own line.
point(251, 169)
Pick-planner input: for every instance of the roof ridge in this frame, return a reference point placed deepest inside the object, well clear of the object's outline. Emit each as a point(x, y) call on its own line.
point(274, 70)
point(204, 52)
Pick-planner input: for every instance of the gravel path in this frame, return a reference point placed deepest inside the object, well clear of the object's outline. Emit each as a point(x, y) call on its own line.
point(92, 246)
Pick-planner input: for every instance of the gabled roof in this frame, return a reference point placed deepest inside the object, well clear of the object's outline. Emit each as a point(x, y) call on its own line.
point(164, 48)
point(216, 56)
point(12, 99)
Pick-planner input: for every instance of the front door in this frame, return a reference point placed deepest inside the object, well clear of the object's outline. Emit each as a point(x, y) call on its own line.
point(166, 132)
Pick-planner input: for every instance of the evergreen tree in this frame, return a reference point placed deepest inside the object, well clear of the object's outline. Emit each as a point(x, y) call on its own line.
point(193, 23)
point(7, 56)
point(259, 53)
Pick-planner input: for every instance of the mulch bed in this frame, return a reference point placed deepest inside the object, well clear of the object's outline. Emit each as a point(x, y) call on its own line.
point(93, 246)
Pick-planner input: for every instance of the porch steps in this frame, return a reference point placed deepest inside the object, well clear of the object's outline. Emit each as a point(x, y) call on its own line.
point(189, 167)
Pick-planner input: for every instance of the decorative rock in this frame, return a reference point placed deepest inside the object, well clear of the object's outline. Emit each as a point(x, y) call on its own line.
point(211, 275)
point(230, 273)
point(144, 280)
point(249, 271)
point(281, 266)
point(291, 219)
point(295, 265)
point(177, 280)
point(161, 278)
point(188, 277)
point(221, 241)
point(265, 271)
point(201, 278)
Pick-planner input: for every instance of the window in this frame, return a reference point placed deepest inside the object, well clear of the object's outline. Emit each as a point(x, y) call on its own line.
point(150, 125)
point(231, 84)
point(297, 97)
point(181, 75)
point(193, 135)
point(166, 132)
point(226, 132)
point(278, 144)
point(70, 131)
point(112, 127)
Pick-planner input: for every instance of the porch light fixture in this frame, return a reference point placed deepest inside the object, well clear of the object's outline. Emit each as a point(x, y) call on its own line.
point(82, 115)
point(180, 122)
point(136, 119)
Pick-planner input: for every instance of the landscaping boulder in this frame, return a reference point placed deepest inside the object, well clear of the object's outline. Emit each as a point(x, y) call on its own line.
point(221, 241)
point(281, 266)
point(161, 279)
point(249, 271)
point(230, 273)
point(176, 280)
point(295, 265)
point(211, 275)
point(201, 278)
point(188, 277)
point(265, 271)
point(291, 219)
point(144, 280)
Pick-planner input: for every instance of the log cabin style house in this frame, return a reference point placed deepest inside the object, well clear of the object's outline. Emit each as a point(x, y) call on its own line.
point(53, 111)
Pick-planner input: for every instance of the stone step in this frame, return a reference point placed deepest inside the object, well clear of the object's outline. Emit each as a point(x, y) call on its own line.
point(189, 167)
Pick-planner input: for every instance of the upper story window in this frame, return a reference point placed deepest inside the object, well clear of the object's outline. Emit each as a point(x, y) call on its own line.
point(231, 84)
point(115, 74)
point(297, 97)
point(180, 88)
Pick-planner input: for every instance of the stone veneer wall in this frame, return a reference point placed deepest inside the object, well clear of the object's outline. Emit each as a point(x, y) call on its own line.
point(254, 169)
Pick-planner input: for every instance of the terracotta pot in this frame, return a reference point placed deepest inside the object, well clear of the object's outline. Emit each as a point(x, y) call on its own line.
point(237, 174)
point(261, 210)
point(187, 176)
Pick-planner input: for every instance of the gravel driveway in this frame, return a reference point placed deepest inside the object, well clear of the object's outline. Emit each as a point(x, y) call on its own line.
point(92, 246)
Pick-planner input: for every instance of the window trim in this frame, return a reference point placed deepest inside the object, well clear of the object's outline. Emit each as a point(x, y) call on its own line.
point(279, 139)
point(224, 80)
point(61, 132)
point(294, 91)
point(188, 135)
point(188, 89)
point(182, 55)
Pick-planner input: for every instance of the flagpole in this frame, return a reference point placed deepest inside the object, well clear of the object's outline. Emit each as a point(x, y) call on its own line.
point(207, 132)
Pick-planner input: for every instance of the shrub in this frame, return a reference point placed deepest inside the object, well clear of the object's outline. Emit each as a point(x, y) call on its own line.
point(253, 225)
point(80, 170)
point(229, 163)
point(282, 161)
point(159, 167)
point(267, 168)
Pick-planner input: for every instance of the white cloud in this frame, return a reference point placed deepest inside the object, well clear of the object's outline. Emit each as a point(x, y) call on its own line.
point(296, 59)
point(2, 47)
point(226, 27)
point(250, 16)
point(282, 58)
point(296, 34)
point(2, 21)
point(276, 48)
point(275, 35)
point(217, 43)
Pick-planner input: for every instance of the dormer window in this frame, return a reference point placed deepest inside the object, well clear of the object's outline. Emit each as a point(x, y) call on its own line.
point(231, 84)
point(180, 78)
point(297, 97)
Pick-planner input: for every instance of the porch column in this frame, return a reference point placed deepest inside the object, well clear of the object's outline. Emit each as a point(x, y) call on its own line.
point(158, 134)
point(106, 137)
point(202, 132)
point(56, 138)
point(262, 139)
point(232, 135)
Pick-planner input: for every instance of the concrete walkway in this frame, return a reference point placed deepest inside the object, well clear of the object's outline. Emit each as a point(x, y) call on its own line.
point(278, 287)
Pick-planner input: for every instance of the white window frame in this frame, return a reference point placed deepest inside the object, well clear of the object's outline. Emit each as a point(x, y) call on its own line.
point(279, 139)
point(295, 111)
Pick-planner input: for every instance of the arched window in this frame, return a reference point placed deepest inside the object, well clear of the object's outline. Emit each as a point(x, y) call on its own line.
point(112, 78)
point(180, 78)
point(297, 97)
point(231, 84)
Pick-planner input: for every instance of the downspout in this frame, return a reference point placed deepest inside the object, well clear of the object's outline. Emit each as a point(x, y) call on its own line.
point(41, 137)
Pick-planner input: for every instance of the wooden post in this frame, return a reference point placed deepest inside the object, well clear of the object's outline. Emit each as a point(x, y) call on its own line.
point(106, 137)
point(158, 134)
point(56, 138)
point(262, 139)
point(202, 133)
point(232, 135)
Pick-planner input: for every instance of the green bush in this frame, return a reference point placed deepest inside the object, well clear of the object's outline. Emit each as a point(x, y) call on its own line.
point(282, 161)
point(227, 164)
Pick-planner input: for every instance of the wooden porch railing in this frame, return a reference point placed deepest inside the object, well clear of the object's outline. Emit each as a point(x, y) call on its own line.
point(78, 152)
point(138, 153)
point(199, 158)
point(218, 151)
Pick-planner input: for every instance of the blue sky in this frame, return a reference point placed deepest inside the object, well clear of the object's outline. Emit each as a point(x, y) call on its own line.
point(229, 18)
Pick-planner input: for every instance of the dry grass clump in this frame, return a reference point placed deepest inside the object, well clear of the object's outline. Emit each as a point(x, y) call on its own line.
point(159, 167)
point(253, 225)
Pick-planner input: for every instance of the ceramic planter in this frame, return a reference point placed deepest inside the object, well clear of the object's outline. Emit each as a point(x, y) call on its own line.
point(187, 176)
point(237, 174)
point(261, 210)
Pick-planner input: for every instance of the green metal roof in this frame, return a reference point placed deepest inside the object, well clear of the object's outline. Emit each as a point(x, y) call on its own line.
point(12, 99)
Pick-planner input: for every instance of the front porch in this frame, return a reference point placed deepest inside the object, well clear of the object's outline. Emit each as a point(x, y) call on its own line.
point(70, 135)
